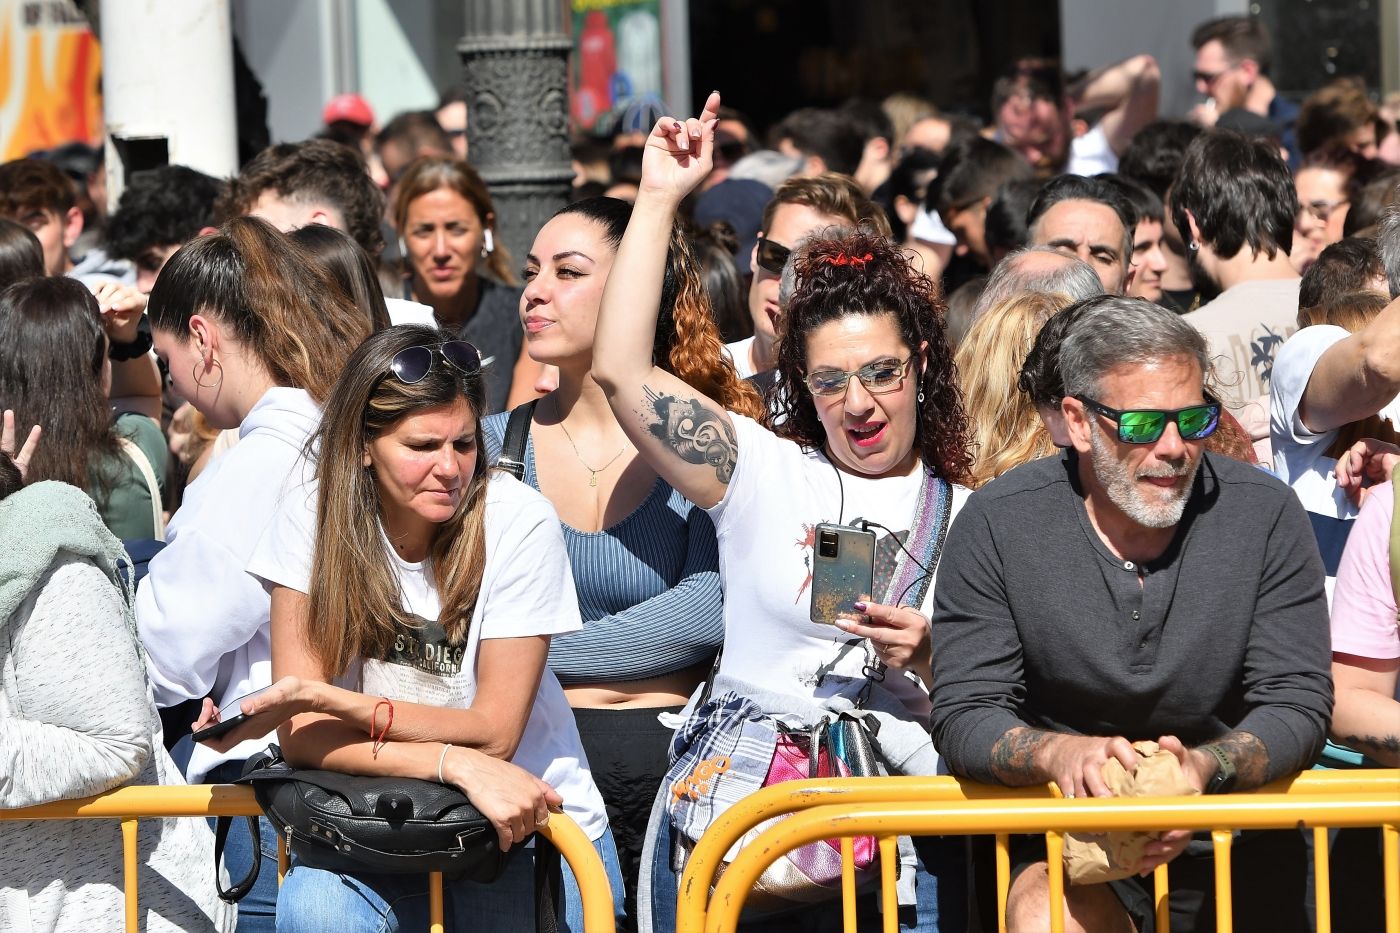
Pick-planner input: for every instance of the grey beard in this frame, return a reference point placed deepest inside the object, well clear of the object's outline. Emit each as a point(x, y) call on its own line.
point(1122, 491)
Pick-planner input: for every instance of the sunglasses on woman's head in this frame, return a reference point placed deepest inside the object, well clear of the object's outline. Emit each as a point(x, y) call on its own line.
point(1146, 425)
point(412, 364)
point(772, 256)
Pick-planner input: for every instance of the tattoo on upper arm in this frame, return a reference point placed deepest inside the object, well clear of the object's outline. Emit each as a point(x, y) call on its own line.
point(696, 433)
point(1013, 755)
point(1370, 744)
point(1250, 757)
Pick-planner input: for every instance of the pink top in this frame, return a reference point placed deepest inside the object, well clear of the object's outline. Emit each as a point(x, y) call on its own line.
point(1363, 604)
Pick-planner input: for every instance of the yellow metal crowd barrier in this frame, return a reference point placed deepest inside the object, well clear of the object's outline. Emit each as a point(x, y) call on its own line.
point(889, 807)
point(131, 804)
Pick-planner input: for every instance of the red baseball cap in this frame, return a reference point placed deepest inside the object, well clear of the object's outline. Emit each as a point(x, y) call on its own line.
point(350, 108)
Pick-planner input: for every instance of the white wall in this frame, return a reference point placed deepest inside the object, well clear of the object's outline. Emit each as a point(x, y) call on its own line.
point(1099, 32)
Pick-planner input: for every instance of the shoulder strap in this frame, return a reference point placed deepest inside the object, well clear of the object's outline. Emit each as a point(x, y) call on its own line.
point(1395, 544)
point(143, 466)
point(239, 890)
point(512, 458)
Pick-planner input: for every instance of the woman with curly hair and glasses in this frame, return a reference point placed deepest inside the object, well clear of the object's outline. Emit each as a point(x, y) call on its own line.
point(644, 559)
point(869, 430)
point(414, 593)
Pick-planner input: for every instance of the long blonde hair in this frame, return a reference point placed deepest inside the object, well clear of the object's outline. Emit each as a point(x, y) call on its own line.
point(1006, 430)
point(354, 608)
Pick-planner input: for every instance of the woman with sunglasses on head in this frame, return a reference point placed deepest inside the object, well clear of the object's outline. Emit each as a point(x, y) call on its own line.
point(414, 593)
point(644, 560)
point(446, 225)
point(870, 431)
point(254, 337)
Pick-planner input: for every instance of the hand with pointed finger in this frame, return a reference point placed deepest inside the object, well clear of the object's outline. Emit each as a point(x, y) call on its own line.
point(23, 455)
point(679, 154)
point(899, 635)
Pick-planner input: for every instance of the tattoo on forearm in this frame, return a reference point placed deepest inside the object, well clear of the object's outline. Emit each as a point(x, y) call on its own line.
point(1250, 757)
point(1013, 756)
point(1374, 745)
point(697, 434)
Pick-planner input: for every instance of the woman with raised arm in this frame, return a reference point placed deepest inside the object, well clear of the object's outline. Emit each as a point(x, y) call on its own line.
point(644, 559)
point(870, 429)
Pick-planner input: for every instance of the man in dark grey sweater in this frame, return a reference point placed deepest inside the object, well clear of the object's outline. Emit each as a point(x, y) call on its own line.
point(1135, 588)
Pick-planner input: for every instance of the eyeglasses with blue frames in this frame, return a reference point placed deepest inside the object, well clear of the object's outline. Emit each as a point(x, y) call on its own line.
point(879, 377)
point(1146, 425)
point(412, 364)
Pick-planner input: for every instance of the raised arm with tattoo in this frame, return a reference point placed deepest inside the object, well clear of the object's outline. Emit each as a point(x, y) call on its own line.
point(681, 433)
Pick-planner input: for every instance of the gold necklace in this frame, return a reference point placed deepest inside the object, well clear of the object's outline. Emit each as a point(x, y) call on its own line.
point(593, 474)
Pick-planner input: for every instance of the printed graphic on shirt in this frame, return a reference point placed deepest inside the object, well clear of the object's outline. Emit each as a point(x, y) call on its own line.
point(420, 666)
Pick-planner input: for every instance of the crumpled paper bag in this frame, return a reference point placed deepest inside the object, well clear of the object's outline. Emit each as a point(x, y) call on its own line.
point(1092, 858)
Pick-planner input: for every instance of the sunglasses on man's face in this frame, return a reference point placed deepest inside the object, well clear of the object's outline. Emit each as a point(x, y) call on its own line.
point(772, 256)
point(1146, 425)
point(412, 364)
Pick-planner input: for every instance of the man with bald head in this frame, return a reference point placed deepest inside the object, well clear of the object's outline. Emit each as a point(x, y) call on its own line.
point(1038, 269)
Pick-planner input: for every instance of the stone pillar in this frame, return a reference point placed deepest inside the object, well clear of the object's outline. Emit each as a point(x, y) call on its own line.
point(515, 61)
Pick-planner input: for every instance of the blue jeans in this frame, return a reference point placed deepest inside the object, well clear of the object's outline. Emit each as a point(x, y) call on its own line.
point(941, 894)
point(316, 901)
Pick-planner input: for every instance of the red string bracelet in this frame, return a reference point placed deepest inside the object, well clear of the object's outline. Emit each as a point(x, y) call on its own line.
point(376, 743)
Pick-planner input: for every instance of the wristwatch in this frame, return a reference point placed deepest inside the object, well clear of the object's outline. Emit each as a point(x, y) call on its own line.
point(120, 352)
point(1224, 778)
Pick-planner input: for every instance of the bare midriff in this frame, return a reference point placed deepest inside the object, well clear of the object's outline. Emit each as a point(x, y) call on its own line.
point(672, 689)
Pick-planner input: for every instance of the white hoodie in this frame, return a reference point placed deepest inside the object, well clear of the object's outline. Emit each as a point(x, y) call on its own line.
point(203, 619)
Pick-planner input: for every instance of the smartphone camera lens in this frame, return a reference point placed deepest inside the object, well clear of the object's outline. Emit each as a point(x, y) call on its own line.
point(828, 544)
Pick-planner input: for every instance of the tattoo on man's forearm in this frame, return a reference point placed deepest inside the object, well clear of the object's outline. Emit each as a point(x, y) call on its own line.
point(1374, 745)
point(1250, 757)
point(1013, 755)
point(696, 433)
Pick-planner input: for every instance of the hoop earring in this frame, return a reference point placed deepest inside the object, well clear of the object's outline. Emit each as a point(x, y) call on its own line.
point(194, 374)
point(921, 396)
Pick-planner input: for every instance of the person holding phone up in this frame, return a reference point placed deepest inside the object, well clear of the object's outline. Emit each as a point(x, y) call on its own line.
point(870, 422)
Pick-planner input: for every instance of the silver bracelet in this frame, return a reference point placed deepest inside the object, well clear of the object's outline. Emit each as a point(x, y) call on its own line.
point(441, 759)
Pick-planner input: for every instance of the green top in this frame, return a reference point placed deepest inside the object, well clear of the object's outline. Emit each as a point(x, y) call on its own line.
point(127, 511)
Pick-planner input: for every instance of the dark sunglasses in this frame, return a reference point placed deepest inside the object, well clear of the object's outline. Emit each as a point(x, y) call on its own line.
point(1146, 425)
point(772, 256)
point(412, 364)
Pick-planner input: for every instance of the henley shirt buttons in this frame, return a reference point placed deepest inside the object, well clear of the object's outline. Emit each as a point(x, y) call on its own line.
point(1128, 565)
point(1136, 615)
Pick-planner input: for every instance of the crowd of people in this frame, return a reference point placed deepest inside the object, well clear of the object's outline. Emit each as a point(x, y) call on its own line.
point(1113, 397)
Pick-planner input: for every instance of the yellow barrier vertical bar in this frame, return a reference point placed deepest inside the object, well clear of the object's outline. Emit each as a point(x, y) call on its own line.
point(284, 860)
point(848, 884)
point(1391, 861)
point(435, 923)
point(889, 898)
point(1055, 867)
point(1003, 878)
point(1224, 894)
point(129, 873)
point(1322, 876)
point(1161, 893)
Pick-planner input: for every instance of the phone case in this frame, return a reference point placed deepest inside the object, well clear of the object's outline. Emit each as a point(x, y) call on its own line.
point(843, 570)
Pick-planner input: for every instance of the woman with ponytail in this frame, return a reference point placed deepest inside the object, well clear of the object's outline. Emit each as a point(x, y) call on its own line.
point(254, 337)
point(644, 559)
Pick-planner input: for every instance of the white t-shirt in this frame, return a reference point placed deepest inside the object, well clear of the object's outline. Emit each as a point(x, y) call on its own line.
point(1091, 154)
point(765, 525)
point(527, 589)
point(739, 354)
point(1300, 456)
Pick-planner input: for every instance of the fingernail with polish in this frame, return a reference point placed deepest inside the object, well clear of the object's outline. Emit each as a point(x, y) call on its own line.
point(675, 126)
point(861, 606)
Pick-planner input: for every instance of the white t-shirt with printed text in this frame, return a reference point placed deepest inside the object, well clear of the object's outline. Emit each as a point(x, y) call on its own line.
point(766, 527)
point(526, 589)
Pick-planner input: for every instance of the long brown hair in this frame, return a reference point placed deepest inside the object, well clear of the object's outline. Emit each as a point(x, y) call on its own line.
point(432, 173)
point(354, 608)
point(52, 350)
point(687, 343)
point(271, 293)
point(881, 281)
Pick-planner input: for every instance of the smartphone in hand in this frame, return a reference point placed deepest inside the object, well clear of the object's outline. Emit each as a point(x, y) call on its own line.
point(843, 571)
point(226, 723)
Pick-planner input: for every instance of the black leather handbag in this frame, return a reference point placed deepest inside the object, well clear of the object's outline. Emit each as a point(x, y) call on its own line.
point(382, 825)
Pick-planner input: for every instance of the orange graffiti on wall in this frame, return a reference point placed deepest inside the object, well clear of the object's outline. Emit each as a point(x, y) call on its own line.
point(50, 68)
